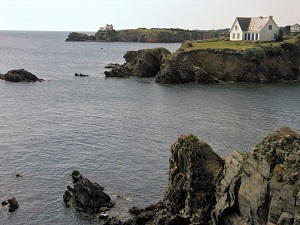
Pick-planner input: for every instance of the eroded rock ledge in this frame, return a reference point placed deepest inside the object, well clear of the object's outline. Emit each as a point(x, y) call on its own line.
point(256, 188)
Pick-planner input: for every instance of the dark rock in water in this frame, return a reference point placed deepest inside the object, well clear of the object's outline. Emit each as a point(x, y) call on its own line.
point(4, 202)
point(141, 63)
point(18, 175)
point(75, 36)
point(20, 75)
point(13, 204)
point(80, 75)
point(257, 188)
point(86, 195)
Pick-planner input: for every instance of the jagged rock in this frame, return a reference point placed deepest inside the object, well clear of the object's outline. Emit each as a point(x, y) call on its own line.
point(20, 75)
point(75, 36)
point(86, 195)
point(261, 187)
point(141, 63)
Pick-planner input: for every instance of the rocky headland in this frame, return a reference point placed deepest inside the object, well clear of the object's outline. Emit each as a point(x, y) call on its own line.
point(154, 35)
point(256, 188)
point(20, 75)
point(142, 63)
point(258, 64)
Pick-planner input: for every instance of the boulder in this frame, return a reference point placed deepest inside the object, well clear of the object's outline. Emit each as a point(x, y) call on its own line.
point(141, 63)
point(20, 75)
point(87, 195)
point(13, 204)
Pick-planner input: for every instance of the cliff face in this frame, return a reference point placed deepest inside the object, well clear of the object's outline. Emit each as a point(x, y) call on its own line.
point(214, 66)
point(154, 36)
point(257, 188)
point(142, 63)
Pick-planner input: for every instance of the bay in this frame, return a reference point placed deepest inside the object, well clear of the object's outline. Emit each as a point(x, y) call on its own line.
point(116, 132)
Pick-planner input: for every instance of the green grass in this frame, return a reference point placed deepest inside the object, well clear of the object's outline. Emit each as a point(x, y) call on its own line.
point(222, 44)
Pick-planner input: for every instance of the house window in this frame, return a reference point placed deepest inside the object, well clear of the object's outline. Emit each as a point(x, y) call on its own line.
point(245, 36)
point(238, 35)
point(249, 37)
point(252, 37)
point(275, 36)
point(236, 27)
point(233, 36)
point(256, 38)
point(270, 27)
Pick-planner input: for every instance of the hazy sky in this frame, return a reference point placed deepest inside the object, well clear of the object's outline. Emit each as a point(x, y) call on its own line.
point(89, 15)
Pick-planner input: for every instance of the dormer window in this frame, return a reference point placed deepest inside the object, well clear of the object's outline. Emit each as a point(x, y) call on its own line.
point(270, 27)
point(236, 27)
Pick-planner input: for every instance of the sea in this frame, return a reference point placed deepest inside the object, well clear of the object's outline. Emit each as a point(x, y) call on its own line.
point(116, 132)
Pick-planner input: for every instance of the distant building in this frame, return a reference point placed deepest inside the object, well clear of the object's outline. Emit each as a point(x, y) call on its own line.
point(254, 29)
point(107, 27)
point(295, 28)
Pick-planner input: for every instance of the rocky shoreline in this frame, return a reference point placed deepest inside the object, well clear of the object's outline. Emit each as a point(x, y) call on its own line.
point(147, 35)
point(204, 66)
point(256, 188)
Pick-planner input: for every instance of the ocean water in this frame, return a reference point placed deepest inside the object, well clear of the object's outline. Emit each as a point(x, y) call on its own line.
point(116, 132)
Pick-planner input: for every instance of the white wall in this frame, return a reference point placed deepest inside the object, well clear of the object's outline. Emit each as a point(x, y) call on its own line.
point(268, 35)
point(236, 34)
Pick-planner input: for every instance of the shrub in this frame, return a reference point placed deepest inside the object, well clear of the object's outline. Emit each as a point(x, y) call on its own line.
point(187, 44)
point(255, 54)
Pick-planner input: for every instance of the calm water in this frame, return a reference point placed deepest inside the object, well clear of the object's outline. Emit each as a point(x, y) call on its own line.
point(117, 132)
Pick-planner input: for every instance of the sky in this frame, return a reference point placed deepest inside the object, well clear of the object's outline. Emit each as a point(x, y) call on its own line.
point(89, 15)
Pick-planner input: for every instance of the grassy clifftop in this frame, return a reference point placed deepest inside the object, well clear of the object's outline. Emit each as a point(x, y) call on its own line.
point(155, 35)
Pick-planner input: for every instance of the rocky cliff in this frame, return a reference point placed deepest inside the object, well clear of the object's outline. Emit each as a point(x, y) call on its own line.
point(256, 188)
point(154, 35)
point(214, 66)
point(259, 64)
point(142, 63)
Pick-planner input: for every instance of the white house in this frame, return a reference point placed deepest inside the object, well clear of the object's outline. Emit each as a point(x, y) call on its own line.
point(254, 29)
point(295, 28)
point(107, 27)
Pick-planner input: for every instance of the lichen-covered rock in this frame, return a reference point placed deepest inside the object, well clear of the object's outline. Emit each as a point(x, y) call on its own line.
point(141, 63)
point(86, 195)
point(261, 187)
point(20, 75)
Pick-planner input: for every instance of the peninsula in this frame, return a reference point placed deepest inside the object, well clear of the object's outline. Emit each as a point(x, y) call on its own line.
point(216, 61)
point(153, 35)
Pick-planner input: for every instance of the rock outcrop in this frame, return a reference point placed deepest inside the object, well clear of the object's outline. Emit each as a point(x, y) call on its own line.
point(75, 36)
point(86, 195)
point(20, 75)
point(141, 63)
point(257, 188)
point(206, 66)
point(148, 35)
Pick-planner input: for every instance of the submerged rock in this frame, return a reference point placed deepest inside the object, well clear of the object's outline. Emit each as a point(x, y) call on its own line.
point(20, 75)
point(141, 63)
point(86, 195)
point(13, 204)
point(256, 188)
